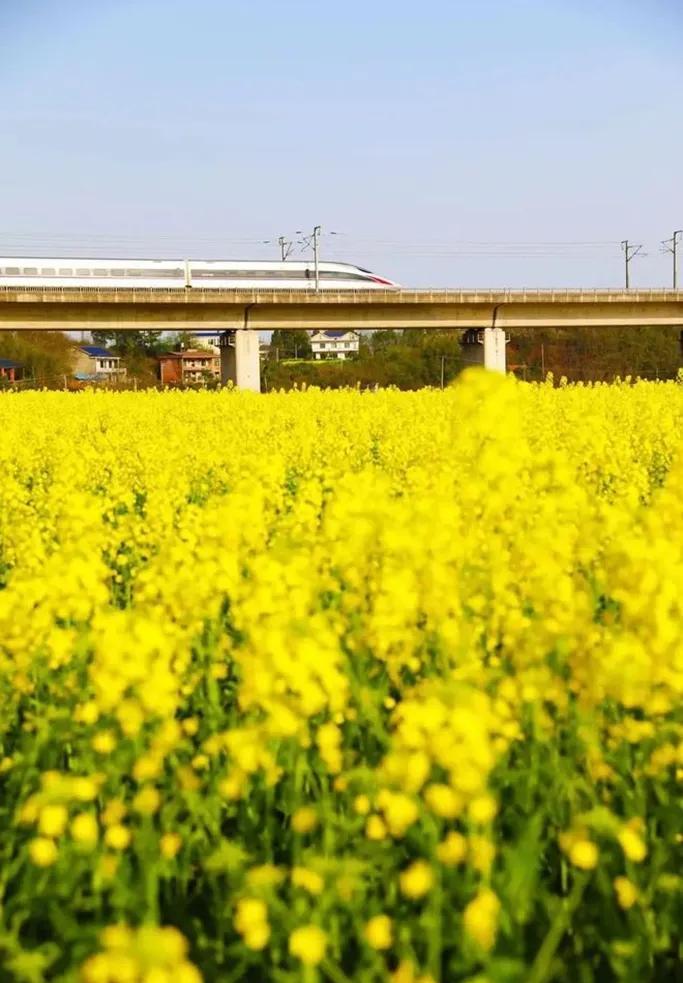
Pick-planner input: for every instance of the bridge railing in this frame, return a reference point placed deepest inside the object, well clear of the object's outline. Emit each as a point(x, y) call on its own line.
point(420, 295)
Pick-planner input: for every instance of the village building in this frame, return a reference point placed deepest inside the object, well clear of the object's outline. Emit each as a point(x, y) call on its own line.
point(208, 339)
point(10, 370)
point(334, 344)
point(92, 363)
point(189, 367)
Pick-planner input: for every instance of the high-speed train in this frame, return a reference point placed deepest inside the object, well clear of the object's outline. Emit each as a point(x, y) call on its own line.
point(23, 271)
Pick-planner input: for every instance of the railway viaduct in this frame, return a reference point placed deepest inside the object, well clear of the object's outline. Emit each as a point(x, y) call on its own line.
point(242, 314)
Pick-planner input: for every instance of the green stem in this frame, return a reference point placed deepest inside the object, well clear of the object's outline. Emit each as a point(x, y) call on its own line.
point(542, 965)
point(334, 973)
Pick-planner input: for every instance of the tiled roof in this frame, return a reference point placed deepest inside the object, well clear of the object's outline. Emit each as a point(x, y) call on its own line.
point(96, 352)
point(333, 333)
point(190, 353)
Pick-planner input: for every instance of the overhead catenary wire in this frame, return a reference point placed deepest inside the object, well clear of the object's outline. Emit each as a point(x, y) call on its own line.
point(76, 241)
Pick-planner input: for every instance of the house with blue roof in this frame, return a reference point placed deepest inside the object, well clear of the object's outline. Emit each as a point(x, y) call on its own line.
point(10, 370)
point(92, 363)
point(334, 344)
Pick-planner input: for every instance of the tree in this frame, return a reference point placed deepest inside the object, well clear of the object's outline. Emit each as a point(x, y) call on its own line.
point(45, 356)
point(291, 344)
point(184, 340)
point(585, 353)
point(410, 360)
point(131, 342)
point(379, 340)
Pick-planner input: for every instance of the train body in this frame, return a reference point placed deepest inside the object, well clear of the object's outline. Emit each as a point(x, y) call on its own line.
point(185, 274)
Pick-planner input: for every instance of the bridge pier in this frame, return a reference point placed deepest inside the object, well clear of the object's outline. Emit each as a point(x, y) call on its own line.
point(240, 362)
point(486, 347)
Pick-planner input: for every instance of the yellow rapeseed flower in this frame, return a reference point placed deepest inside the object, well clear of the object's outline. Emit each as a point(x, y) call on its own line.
point(584, 854)
point(42, 851)
point(147, 800)
point(169, 845)
point(452, 850)
point(52, 820)
point(84, 830)
point(482, 809)
point(307, 879)
point(481, 918)
point(308, 944)
point(443, 801)
point(104, 742)
point(375, 828)
point(84, 789)
point(378, 932)
point(117, 837)
point(415, 881)
point(341, 614)
point(626, 891)
point(361, 805)
point(251, 921)
point(304, 820)
point(632, 844)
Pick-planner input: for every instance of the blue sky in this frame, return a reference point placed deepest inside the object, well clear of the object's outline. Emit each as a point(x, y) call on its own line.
point(428, 135)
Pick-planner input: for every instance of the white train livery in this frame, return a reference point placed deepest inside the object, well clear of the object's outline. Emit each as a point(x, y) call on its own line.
point(23, 271)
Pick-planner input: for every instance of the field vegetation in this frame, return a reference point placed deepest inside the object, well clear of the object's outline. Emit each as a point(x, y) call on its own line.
point(342, 686)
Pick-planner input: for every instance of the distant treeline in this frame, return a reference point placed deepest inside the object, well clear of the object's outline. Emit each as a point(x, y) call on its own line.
point(411, 359)
point(408, 359)
point(596, 354)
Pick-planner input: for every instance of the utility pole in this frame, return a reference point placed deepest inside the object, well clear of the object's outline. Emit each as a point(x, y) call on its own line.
point(285, 247)
point(629, 252)
point(314, 241)
point(443, 361)
point(671, 246)
point(316, 251)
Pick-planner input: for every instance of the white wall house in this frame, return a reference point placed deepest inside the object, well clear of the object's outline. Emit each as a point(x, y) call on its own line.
point(210, 339)
point(334, 344)
point(93, 363)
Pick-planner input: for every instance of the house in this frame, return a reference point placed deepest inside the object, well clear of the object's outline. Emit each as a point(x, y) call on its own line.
point(334, 344)
point(10, 370)
point(94, 364)
point(189, 367)
point(210, 339)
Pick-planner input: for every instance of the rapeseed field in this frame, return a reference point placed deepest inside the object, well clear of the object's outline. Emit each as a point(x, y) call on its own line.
point(341, 686)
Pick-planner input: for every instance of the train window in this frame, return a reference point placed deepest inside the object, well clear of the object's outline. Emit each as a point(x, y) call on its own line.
point(100, 272)
point(151, 274)
point(83, 272)
point(340, 275)
point(292, 274)
point(66, 272)
point(12, 271)
point(47, 272)
point(30, 271)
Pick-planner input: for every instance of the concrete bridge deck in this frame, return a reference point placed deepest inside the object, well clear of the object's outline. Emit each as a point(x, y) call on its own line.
point(241, 314)
point(67, 308)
